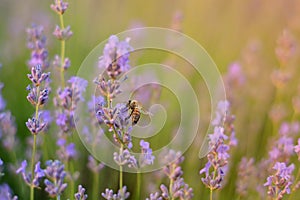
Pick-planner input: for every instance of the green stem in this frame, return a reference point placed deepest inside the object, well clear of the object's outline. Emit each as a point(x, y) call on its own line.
point(139, 180)
point(34, 147)
point(62, 52)
point(170, 188)
point(121, 170)
point(95, 186)
point(211, 194)
point(72, 184)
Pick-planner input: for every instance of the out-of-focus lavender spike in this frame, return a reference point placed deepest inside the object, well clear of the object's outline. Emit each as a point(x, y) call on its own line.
point(8, 131)
point(80, 195)
point(57, 62)
point(37, 44)
point(115, 58)
point(6, 193)
point(55, 175)
point(66, 151)
point(2, 101)
point(93, 165)
point(246, 172)
point(286, 47)
point(279, 183)
point(297, 149)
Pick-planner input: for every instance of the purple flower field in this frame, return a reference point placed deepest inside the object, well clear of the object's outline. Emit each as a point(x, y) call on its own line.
point(109, 100)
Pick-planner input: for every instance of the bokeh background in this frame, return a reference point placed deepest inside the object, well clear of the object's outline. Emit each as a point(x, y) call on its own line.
point(244, 31)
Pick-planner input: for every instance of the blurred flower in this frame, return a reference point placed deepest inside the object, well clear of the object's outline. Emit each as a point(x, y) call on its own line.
point(280, 78)
point(93, 165)
point(122, 194)
point(2, 101)
point(66, 151)
point(55, 175)
point(297, 149)
point(80, 195)
point(246, 171)
point(57, 62)
point(279, 183)
point(286, 47)
point(6, 193)
point(289, 129)
point(8, 131)
point(67, 100)
point(115, 58)
point(37, 44)
point(278, 112)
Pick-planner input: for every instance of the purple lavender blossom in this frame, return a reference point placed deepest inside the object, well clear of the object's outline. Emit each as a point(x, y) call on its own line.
point(80, 195)
point(218, 156)
point(146, 157)
point(177, 188)
point(217, 160)
point(37, 44)
point(121, 195)
point(62, 34)
point(59, 6)
point(6, 193)
point(279, 183)
point(35, 126)
point(154, 196)
point(108, 88)
point(115, 57)
point(38, 174)
point(55, 173)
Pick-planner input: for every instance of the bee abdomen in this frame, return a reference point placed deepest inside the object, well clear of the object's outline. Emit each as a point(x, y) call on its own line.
point(135, 116)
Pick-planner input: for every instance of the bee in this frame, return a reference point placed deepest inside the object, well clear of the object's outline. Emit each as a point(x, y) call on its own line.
point(135, 111)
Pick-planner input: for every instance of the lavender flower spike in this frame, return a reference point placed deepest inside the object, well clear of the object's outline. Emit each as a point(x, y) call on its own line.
point(55, 173)
point(121, 195)
point(38, 174)
point(146, 157)
point(80, 195)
